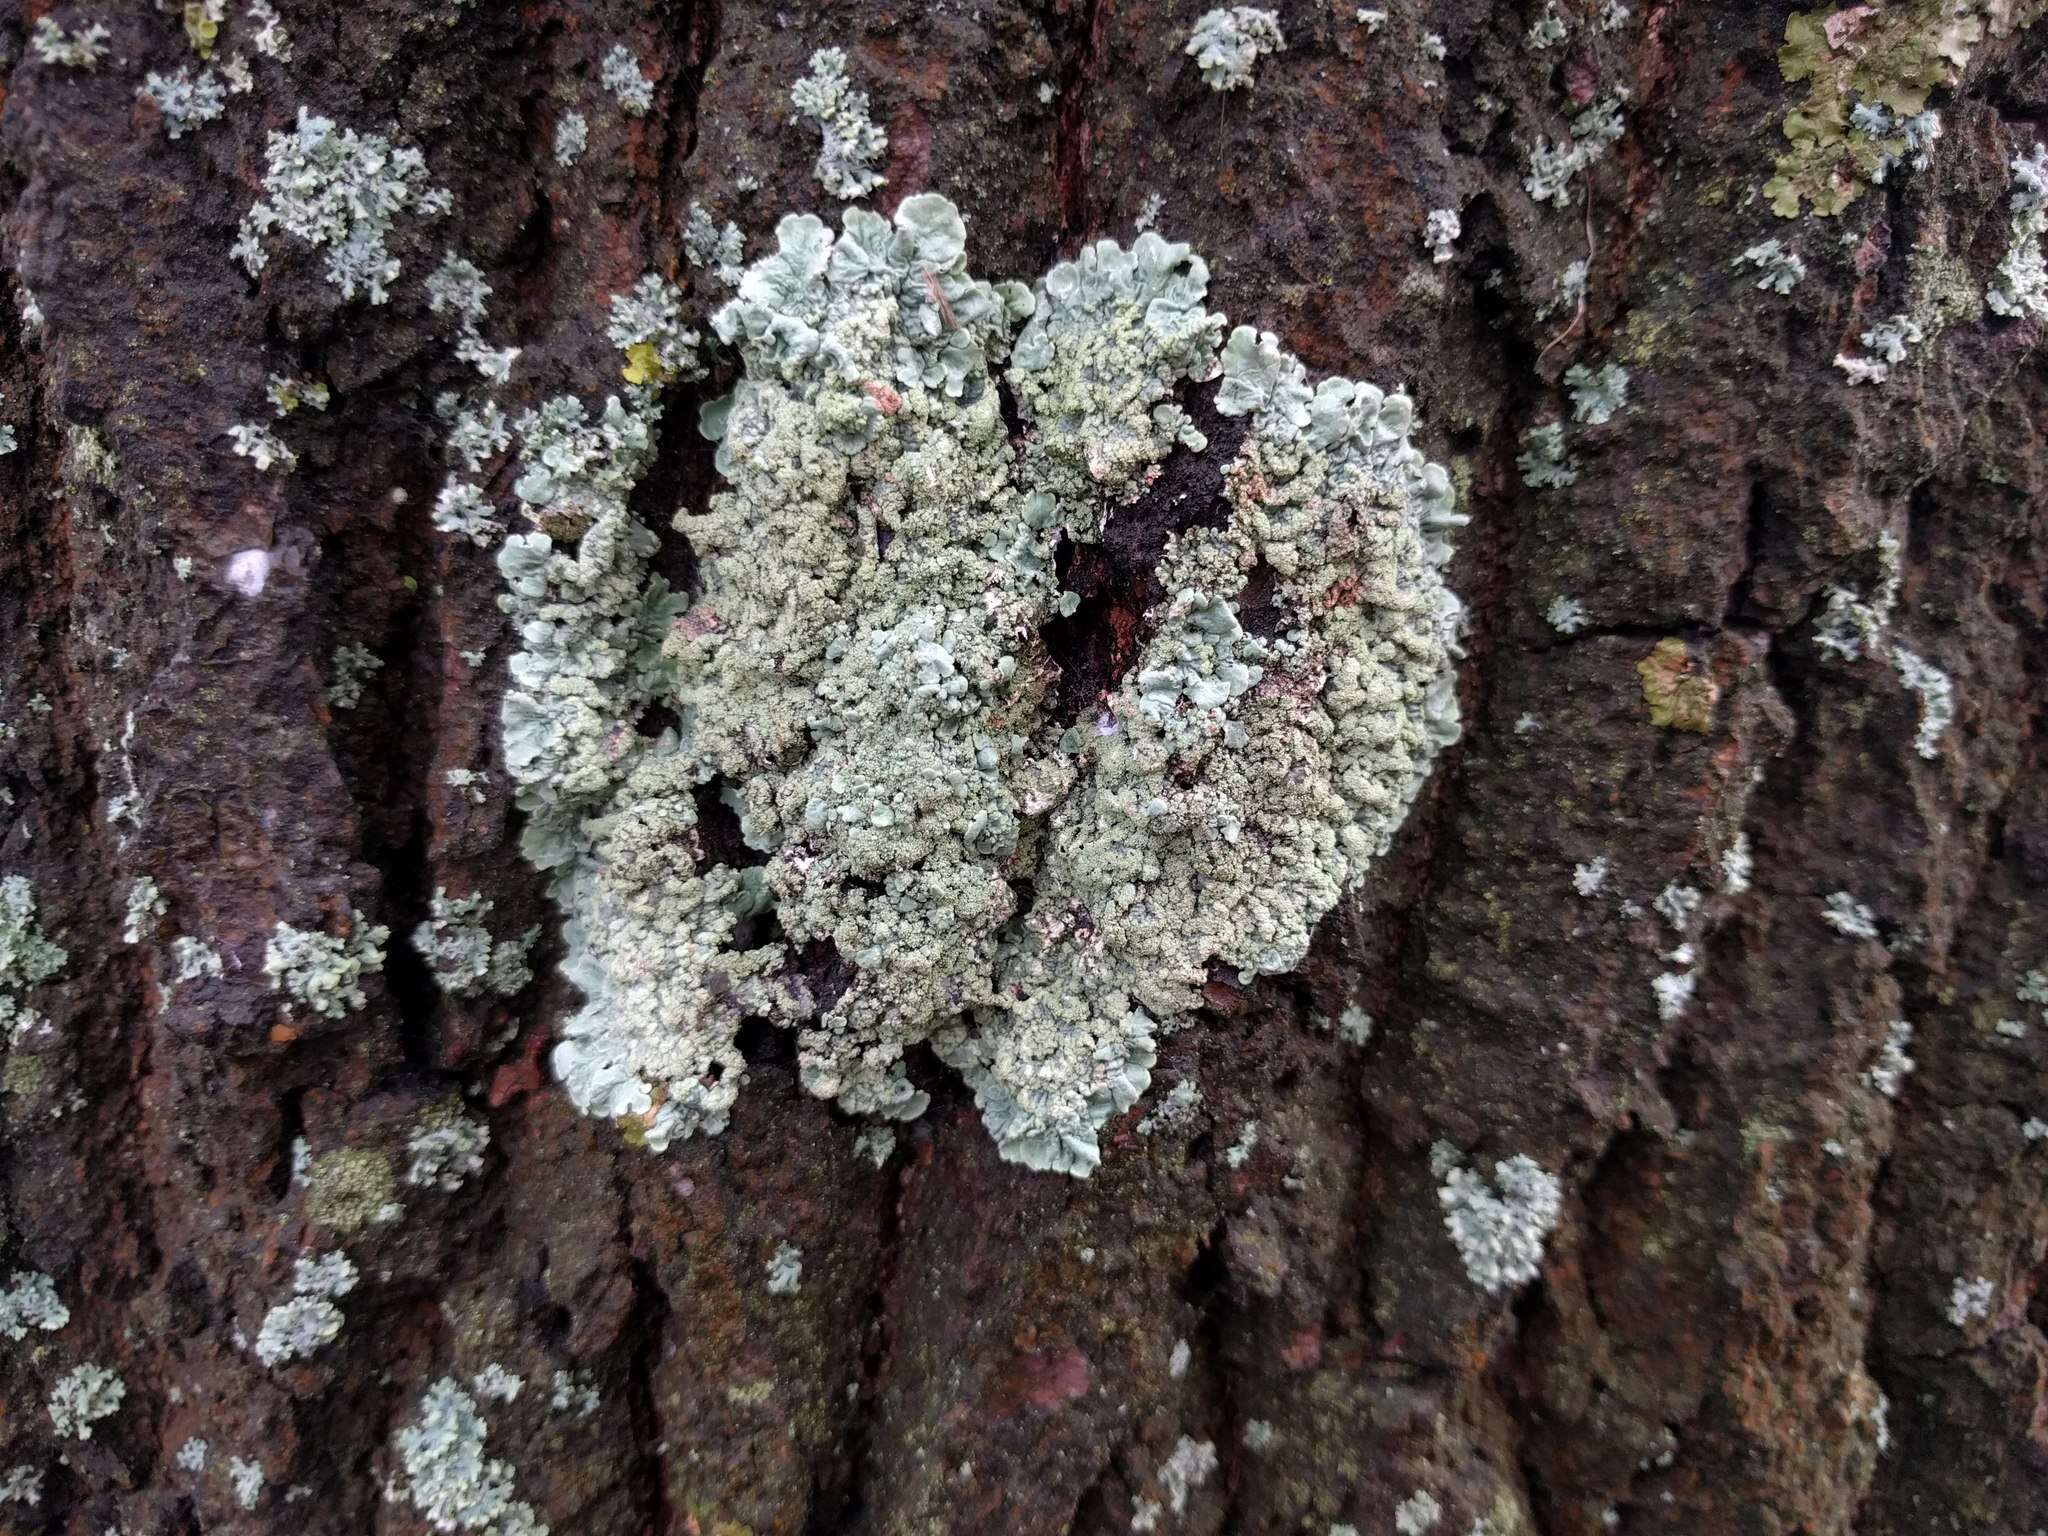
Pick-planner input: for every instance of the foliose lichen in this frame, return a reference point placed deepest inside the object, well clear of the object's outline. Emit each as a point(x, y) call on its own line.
point(448, 1477)
point(339, 192)
point(82, 1397)
point(322, 971)
point(1868, 71)
point(81, 48)
point(27, 957)
point(854, 143)
point(2020, 287)
point(445, 1149)
point(460, 951)
point(1499, 1225)
point(1228, 41)
point(30, 1300)
point(865, 686)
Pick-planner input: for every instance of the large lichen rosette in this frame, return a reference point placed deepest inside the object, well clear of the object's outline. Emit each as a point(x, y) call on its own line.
point(862, 687)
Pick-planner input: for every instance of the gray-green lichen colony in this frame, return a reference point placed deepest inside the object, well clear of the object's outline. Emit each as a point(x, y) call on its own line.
point(863, 681)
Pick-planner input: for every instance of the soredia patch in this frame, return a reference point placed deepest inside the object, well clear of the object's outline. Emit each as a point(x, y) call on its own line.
point(863, 688)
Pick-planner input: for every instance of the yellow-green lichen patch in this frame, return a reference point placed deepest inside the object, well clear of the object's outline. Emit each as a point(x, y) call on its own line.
point(1679, 692)
point(349, 1189)
point(1868, 71)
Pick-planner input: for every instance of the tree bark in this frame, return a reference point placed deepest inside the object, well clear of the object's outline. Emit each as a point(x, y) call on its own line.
point(1747, 1315)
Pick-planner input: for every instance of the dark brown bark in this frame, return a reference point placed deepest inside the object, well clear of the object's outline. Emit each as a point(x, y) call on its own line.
point(1755, 1245)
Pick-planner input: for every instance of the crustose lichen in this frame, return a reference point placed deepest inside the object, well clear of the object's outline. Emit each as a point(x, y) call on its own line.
point(864, 686)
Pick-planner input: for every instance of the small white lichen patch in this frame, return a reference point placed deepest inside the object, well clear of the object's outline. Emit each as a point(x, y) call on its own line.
point(1500, 1227)
point(445, 1149)
point(31, 1301)
point(297, 1327)
point(1228, 41)
point(192, 1455)
point(876, 1143)
point(193, 958)
point(722, 252)
point(2020, 287)
point(1354, 1025)
point(854, 143)
point(1565, 615)
point(1888, 1073)
point(270, 38)
point(1178, 1361)
point(1848, 916)
point(247, 1479)
point(1259, 1436)
point(785, 1269)
point(324, 972)
point(1778, 270)
point(1589, 877)
point(82, 48)
point(1552, 168)
point(496, 1383)
point(332, 1274)
point(1969, 1300)
point(1678, 905)
point(448, 1477)
point(647, 325)
point(573, 1392)
point(1191, 1464)
point(82, 1397)
point(572, 137)
point(185, 100)
point(620, 74)
point(1440, 232)
point(1417, 1514)
point(1737, 865)
point(256, 442)
point(1937, 698)
point(27, 957)
point(1239, 1152)
point(1177, 1105)
point(463, 956)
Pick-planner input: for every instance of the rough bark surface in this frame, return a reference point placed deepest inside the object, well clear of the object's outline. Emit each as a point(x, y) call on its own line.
point(1758, 1248)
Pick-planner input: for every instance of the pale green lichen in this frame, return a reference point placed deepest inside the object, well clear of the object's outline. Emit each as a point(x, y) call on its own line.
point(1544, 461)
point(854, 143)
point(460, 951)
point(2020, 286)
point(863, 683)
point(27, 957)
point(339, 192)
point(350, 669)
point(445, 1149)
point(30, 1300)
point(1552, 168)
point(447, 1476)
point(1597, 393)
point(322, 971)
